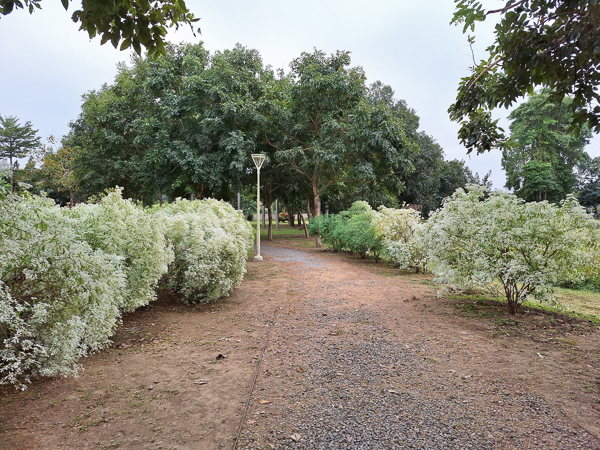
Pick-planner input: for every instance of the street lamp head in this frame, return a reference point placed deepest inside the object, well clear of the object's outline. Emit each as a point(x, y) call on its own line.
point(258, 159)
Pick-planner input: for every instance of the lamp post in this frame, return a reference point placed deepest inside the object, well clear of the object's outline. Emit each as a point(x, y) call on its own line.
point(258, 159)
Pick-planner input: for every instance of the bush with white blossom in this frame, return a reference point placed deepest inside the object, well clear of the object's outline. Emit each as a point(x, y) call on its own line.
point(211, 241)
point(119, 227)
point(58, 296)
point(66, 275)
point(501, 243)
point(401, 231)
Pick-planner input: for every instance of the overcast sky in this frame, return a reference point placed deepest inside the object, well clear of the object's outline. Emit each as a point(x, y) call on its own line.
point(46, 64)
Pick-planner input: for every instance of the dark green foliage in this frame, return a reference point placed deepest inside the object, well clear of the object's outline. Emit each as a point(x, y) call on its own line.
point(16, 141)
point(350, 230)
point(123, 23)
point(455, 174)
point(543, 152)
point(589, 184)
point(553, 43)
point(184, 123)
point(337, 137)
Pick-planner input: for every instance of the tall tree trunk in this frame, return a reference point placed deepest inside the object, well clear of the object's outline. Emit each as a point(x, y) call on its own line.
point(308, 213)
point(300, 216)
point(290, 214)
point(12, 174)
point(160, 200)
point(268, 203)
point(199, 189)
point(317, 209)
point(270, 212)
point(72, 202)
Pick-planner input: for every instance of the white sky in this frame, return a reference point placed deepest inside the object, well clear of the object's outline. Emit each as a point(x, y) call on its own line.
point(46, 64)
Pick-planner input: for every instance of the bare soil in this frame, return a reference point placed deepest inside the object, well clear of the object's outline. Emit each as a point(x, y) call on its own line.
point(180, 376)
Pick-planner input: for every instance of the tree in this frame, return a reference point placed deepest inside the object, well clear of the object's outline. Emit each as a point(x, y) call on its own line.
point(181, 124)
point(510, 247)
point(589, 183)
point(123, 22)
point(543, 153)
point(335, 136)
point(551, 43)
point(15, 142)
point(455, 174)
point(58, 171)
point(423, 185)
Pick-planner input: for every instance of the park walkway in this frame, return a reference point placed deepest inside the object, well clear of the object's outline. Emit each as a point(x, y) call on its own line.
point(353, 361)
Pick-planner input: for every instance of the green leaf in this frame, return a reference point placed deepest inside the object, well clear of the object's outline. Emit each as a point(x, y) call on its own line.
point(125, 44)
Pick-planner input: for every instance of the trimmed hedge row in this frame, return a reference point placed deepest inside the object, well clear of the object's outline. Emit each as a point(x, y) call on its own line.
point(67, 275)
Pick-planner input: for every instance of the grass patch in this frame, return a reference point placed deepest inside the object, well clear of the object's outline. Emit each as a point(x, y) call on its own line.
point(582, 303)
point(579, 304)
point(284, 230)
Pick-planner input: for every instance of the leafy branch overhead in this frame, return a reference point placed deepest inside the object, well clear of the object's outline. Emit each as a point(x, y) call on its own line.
point(123, 23)
point(552, 43)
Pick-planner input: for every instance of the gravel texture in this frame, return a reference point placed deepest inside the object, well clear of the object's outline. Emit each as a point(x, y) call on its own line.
point(338, 373)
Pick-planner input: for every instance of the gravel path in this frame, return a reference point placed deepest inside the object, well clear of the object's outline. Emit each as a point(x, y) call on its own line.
point(349, 366)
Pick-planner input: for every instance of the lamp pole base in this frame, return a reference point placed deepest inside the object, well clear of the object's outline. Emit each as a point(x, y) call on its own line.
point(258, 258)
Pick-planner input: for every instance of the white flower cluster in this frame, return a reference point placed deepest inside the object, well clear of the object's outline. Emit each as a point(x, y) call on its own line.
point(59, 298)
point(67, 275)
point(499, 241)
point(119, 227)
point(211, 241)
point(402, 233)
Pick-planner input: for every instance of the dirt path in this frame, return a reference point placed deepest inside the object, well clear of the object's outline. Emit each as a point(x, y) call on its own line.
point(354, 355)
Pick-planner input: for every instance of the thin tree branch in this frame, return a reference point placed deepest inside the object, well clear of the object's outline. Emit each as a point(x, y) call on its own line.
point(506, 8)
point(487, 69)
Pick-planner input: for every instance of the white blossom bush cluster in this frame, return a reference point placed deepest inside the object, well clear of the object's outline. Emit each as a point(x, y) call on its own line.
point(59, 297)
point(402, 234)
point(119, 227)
point(211, 241)
point(66, 275)
point(501, 242)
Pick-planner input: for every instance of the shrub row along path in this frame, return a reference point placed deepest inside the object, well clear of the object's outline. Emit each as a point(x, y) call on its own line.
point(332, 352)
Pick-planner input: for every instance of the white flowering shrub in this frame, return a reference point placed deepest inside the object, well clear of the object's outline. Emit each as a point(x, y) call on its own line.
point(211, 241)
point(119, 227)
point(58, 296)
point(502, 242)
point(66, 275)
point(401, 231)
point(398, 253)
point(4, 173)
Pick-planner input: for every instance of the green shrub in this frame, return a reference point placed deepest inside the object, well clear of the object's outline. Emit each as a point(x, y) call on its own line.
point(352, 230)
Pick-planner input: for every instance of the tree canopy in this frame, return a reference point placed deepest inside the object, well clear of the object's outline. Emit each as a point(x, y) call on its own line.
point(543, 152)
point(553, 43)
point(16, 141)
point(123, 23)
point(187, 122)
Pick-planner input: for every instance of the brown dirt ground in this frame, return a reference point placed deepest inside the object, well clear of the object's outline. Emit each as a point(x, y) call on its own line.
point(163, 384)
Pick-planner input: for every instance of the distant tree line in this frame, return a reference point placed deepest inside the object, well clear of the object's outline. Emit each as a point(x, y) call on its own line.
point(187, 122)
